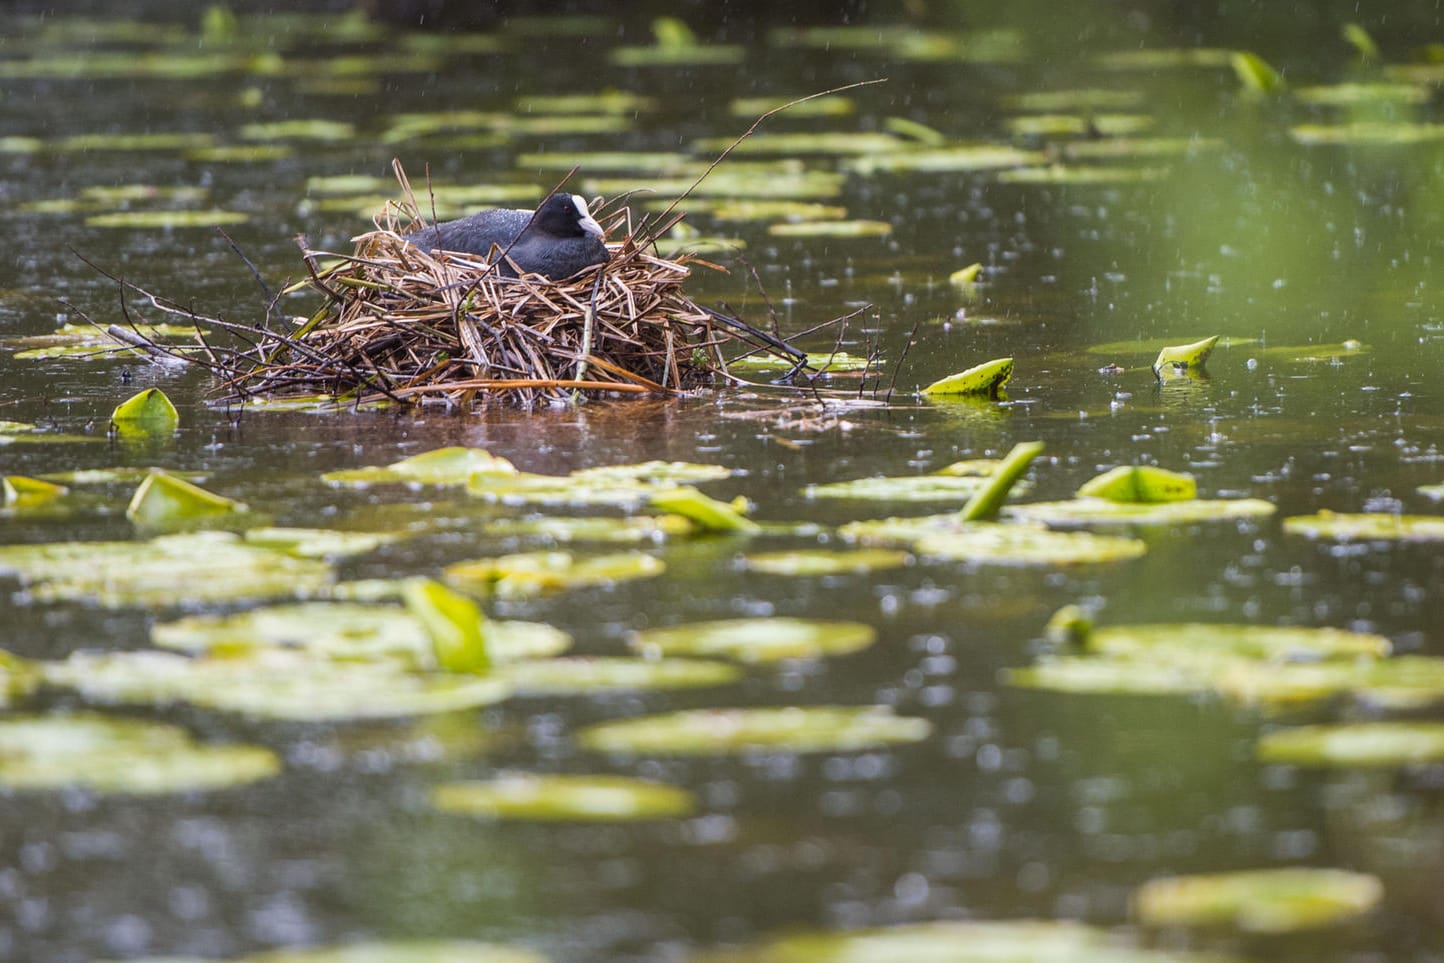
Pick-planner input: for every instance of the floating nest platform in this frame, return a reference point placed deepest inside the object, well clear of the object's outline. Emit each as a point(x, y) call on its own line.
point(398, 323)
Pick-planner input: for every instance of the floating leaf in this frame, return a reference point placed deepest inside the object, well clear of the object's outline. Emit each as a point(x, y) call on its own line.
point(1357, 37)
point(679, 472)
point(815, 562)
point(400, 951)
point(442, 466)
point(1077, 125)
point(986, 379)
point(794, 143)
point(317, 129)
point(171, 570)
point(122, 756)
point(957, 158)
point(955, 483)
point(833, 363)
point(317, 542)
point(582, 676)
point(164, 501)
point(564, 798)
point(19, 491)
point(452, 622)
point(1183, 358)
point(1069, 174)
point(660, 162)
point(1358, 745)
point(756, 640)
point(1140, 484)
point(709, 732)
point(17, 678)
point(149, 413)
point(534, 573)
point(831, 105)
point(963, 277)
point(1193, 640)
point(273, 684)
point(1367, 133)
point(831, 229)
point(990, 543)
point(1165, 58)
point(1351, 94)
point(1107, 677)
point(347, 631)
point(1255, 74)
point(1069, 628)
point(166, 220)
point(602, 102)
point(785, 182)
point(528, 489)
point(709, 514)
point(1283, 900)
point(1368, 527)
point(1083, 512)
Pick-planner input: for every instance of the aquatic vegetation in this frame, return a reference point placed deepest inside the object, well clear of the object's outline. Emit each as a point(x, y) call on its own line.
point(534, 573)
point(586, 676)
point(1356, 745)
point(441, 466)
point(453, 623)
point(820, 561)
point(985, 379)
point(149, 413)
point(709, 732)
point(1259, 901)
point(1372, 526)
point(163, 501)
point(755, 640)
point(564, 798)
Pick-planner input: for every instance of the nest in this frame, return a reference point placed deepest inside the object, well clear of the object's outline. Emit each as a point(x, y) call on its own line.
point(396, 322)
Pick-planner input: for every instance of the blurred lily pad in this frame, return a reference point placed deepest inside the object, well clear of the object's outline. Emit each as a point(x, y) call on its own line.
point(163, 501)
point(534, 573)
point(708, 514)
point(660, 162)
point(771, 210)
point(1077, 174)
point(1283, 900)
point(346, 631)
point(946, 485)
point(648, 529)
point(756, 640)
point(1188, 641)
point(272, 684)
point(833, 362)
point(818, 561)
point(582, 676)
point(121, 756)
point(1369, 527)
point(1375, 92)
point(710, 732)
point(528, 489)
point(1083, 98)
point(1081, 512)
point(831, 229)
point(163, 220)
point(729, 183)
point(991, 543)
point(1140, 484)
point(961, 157)
point(793, 143)
point(442, 466)
point(564, 798)
point(317, 542)
point(1357, 745)
point(985, 379)
point(169, 570)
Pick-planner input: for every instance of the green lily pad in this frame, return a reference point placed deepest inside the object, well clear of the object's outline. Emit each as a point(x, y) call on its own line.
point(1171, 642)
point(1176, 359)
point(602, 102)
point(1370, 527)
point(1117, 148)
point(1359, 745)
point(565, 799)
point(706, 513)
point(1140, 484)
point(149, 413)
point(239, 154)
point(731, 184)
point(20, 491)
point(1107, 677)
point(943, 486)
point(1081, 512)
point(169, 570)
point(957, 158)
point(907, 42)
point(534, 573)
point(528, 489)
point(121, 756)
point(831, 105)
point(659, 162)
point(1083, 98)
point(831, 229)
point(317, 129)
point(1366, 133)
point(159, 141)
point(1070, 174)
point(711, 732)
point(164, 501)
point(987, 379)
point(117, 475)
point(646, 529)
point(162, 220)
point(991, 543)
point(818, 561)
point(17, 679)
point(983, 941)
point(1164, 58)
point(676, 45)
point(317, 542)
point(1283, 900)
point(832, 363)
point(1255, 74)
point(582, 676)
point(442, 466)
point(272, 684)
point(346, 631)
point(1078, 125)
point(756, 640)
point(1352, 94)
point(400, 951)
point(1147, 346)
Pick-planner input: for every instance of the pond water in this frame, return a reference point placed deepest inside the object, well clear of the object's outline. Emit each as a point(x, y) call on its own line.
point(1159, 201)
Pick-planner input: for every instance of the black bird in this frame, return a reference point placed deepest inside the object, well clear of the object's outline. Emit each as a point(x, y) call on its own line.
point(556, 240)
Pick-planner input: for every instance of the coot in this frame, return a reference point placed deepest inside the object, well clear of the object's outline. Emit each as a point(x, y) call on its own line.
point(556, 240)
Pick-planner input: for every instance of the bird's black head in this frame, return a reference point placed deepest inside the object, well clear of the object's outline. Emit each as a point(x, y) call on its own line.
point(565, 215)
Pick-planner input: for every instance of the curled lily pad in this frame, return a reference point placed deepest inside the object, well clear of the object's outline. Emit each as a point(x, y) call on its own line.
point(453, 623)
point(533, 573)
point(1082, 512)
point(1359, 745)
point(709, 732)
point(973, 941)
point(966, 277)
point(1367, 133)
point(987, 379)
point(819, 561)
point(1261, 900)
point(148, 413)
point(122, 756)
point(346, 631)
point(273, 684)
point(582, 676)
point(20, 491)
point(1373, 526)
point(1134, 484)
point(170, 570)
point(1255, 74)
point(1179, 359)
point(401, 951)
point(756, 640)
point(443, 466)
point(957, 482)
point(165, 501)
point(709, 514)
point(564, 798)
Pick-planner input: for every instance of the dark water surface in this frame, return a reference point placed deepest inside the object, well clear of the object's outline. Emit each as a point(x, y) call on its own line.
point(1021, 804)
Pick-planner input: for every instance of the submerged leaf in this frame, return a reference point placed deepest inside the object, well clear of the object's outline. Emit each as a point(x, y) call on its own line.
point(583, 676)
point(709, 732)
point(564, 798)
point(442, 466)
point(708, 513)
point(1284, 900)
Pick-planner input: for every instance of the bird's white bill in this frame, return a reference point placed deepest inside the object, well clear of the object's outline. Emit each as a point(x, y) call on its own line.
point(588, 223)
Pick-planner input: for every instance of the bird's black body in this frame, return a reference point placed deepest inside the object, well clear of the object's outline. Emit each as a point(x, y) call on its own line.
point(556, 240)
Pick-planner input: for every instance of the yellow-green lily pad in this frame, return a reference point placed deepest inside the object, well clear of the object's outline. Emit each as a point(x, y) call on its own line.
point(121, 756)
point(17, 679)
point(957, 482)
point(165, 501)
point(985, 379)
point(534, 573)
point(858, 228)
point(1187, 641)
point(442, 466)
point(679, 472)
point(169, 570)
point(1372, 92)
point(1366, 527)
point(706, 513)
point(1178, 359)
point(317, 129)
point(1367, 133)
point(794, 184)
point(149, 413)
point(793, 143)
point(582, 676)
point(1081, 512)
point(601, 102)
point(273, 684)
point(1285, 900)
point(1140, 484)
point(528, 489)
point(346, 631)
point(756, 640)
point(1103, 175)
point(166, 220)
point(821, 561)
point(834, 362)
point(1108, 677)
point(564, 798)
point(1357, 745)
point(714, 732)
